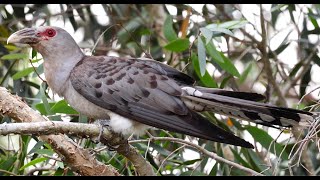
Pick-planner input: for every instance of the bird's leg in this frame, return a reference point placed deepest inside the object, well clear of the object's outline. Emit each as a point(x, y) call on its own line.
point(102, 123)
point(114, 140)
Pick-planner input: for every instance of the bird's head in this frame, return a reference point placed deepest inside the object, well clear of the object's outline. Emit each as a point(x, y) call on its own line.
point(47, 40)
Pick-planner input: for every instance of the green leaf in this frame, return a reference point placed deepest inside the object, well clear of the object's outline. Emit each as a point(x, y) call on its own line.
point(258, 163)
point(14, 56)
point(190, 162)
point(22, 73)
point(82, 118)
point(37, 146)
point(214, 170)
point(223, 30)
point(48, 152)
point(10, 47)
point(225, 81)
point(160, 149)
point(312, 19)
point(219, 58)
point(129, 27)
point(239, 159)
point(8, 163)
point(229, 24)
point(62, 107)
point(296, 69)
point(316, 60)
point(202, 56)
point(168, 30)
point(178, 45)
point(33, 53)
point(33, 162)
point(212, 51)
point(36, 60)
point(266, 140)
point(281, 48)
point(45, 100)
point(207, 80)
point(40, 107)
point(145, 32)
point(306, 78)
point(207, 34)
point(275, 11)
point(245, 73)
point(228, 66)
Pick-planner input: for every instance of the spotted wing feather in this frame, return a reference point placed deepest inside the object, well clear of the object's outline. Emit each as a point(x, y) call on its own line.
point(145, 91)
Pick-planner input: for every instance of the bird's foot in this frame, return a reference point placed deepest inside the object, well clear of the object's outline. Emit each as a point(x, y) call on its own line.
point(114, 140)
point(102, 124)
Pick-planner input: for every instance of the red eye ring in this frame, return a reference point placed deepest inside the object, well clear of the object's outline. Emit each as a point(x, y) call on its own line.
point(50, 32)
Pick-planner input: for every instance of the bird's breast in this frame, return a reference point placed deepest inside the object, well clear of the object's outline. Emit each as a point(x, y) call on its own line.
point(117, 123)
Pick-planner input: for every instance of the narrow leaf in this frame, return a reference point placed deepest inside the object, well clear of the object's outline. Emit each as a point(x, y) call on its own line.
point(207, 33)
point(266, 140)
point(312, 19)
point(305, 81)
point(212, 51)
point(229, 24)
point(40, 107)
point(33, 162)
point(62, 107)
point(45, 100)
point(22, 73)
point(38, 145)
point(14, 56)
point(219, 58)
point(223, 30)
point(178, 45)
point(48, 152)
point(34, 53)
point(245, 73)
point(168, 30)
point(207, 80)
point(201, 56)
point(8, 163)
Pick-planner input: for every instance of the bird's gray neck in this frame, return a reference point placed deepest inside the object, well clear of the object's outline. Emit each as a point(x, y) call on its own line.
point(57, 69)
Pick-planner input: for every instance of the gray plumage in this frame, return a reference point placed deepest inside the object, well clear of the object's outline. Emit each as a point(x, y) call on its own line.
point(146, 91)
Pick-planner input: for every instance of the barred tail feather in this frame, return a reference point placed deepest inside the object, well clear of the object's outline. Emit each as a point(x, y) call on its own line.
point(261, 113)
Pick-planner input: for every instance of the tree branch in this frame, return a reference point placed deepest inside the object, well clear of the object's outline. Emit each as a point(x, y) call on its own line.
point(81, 130)
point(76, 157)
point(204, 151)
point(265, 59)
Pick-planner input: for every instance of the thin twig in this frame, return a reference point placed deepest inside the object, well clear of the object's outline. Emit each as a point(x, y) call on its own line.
point(204, 151)
point(8, 172)
point(35, 70)
point(165, 159)
point(267, 65)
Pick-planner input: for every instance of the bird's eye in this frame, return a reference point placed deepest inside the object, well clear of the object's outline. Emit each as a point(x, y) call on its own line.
point(50, 32)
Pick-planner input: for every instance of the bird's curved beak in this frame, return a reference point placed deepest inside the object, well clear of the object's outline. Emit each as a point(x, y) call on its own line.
point(24, 36)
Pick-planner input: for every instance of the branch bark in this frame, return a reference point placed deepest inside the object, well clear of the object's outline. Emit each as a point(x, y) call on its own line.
point(76, 157)
point(92, 131)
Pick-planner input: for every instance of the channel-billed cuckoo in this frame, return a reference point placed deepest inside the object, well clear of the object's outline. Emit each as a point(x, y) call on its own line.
point(136, 93)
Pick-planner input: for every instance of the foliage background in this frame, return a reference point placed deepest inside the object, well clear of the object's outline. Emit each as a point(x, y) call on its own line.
point(222, 46)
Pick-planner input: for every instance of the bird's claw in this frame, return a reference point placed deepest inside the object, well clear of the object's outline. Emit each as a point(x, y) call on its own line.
point(102, 124)
point(111, 146)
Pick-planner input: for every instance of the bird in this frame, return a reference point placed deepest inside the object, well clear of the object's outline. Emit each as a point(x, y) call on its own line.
point(135, 94)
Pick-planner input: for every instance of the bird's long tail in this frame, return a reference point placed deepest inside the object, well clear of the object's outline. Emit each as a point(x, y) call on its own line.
point(242, 105)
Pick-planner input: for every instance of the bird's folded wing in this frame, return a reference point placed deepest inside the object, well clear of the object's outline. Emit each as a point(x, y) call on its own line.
point(144, 91)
